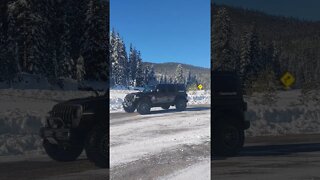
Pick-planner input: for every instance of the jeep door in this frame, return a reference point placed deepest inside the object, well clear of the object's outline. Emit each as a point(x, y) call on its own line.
point(159, 97)
point(171, 93)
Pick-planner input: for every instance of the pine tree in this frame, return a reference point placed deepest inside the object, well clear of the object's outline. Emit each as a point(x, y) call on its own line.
point(161, 80)
point(152, 76)
point(132, 64)
point(146, 75)
point(112, 60)
point(189, 78)
point(27, 27)
point(80, 69)
point(221, 48)
point(139, 73)
point(276, 59)
point(250, 60)
point(75, 11)
point(3, 40)
point(95, 40)
point(65, 61)
point(119, 60)
point(179, 78)
point(165, 80)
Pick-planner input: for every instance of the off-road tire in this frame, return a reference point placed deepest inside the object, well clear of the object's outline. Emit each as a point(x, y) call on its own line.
point(181, 104)
point(63, 153)
point(144, 107)
point(129, 109)
point(228, 139)
point(165, 107)
point(97, 146)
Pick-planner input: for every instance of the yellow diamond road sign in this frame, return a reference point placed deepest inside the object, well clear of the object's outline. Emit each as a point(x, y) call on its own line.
point(287, 79)
point(200, 86)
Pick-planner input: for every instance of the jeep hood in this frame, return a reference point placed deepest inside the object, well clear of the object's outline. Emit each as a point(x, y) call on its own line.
point(85, 100)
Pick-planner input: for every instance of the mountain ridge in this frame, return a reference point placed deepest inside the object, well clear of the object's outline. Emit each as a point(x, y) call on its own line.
point(169, 68)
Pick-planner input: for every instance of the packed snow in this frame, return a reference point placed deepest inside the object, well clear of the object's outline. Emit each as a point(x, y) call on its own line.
point(197, 171)
point(153, 133)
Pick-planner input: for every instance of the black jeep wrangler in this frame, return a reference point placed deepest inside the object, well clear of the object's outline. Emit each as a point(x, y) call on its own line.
point(227, 114)
point(75, 125)
point(162, 95)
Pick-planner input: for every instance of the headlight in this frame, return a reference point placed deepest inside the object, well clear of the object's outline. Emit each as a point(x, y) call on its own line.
point(77, 116)
point(78, 112)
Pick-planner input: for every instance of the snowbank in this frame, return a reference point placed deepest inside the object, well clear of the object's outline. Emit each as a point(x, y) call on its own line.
point(26, 81)
point(286, 116)
point(199, 97)
point(23, 113)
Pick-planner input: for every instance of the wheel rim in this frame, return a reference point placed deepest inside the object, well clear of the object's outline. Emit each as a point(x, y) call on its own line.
point(145, 107)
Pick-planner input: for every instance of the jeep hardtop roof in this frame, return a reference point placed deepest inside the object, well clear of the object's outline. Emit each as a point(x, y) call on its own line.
point(172, 87)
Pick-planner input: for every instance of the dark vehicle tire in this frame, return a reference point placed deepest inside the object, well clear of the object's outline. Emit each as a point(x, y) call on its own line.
point(228, 139)
point(63, 153)
point(129, 109)
point(165, 107)
point(144, 107)
point(181, 104)
point(97, 146)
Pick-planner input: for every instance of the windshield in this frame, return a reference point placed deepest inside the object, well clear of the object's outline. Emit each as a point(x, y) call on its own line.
point(149, 88)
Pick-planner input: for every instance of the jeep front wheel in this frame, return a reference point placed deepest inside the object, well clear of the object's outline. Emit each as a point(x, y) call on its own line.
point(143, 108)
point(63, 153)
point(181, 105)
point(97, 146)
point(228, 139)
point(129, 109)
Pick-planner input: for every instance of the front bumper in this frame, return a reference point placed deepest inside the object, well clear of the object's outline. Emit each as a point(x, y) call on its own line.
point(55, 134)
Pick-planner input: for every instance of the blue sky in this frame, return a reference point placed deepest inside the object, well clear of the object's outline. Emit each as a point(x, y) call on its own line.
point(302, 9)
point(165, 30)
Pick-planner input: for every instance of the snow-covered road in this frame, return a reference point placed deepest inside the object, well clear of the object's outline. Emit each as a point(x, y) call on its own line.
point(167, 140)
point(25, 167)
point(286, 157)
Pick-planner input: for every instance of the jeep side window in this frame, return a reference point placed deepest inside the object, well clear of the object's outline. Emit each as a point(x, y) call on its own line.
point(171, 89)
point(161, 88)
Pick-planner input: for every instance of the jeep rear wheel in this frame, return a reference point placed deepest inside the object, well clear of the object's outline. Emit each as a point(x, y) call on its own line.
point(228, 139)
point(181, 105)
point(97, 146)
point(165, 107)
point(129, 109)
point(63, 153)
point(144, 108)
